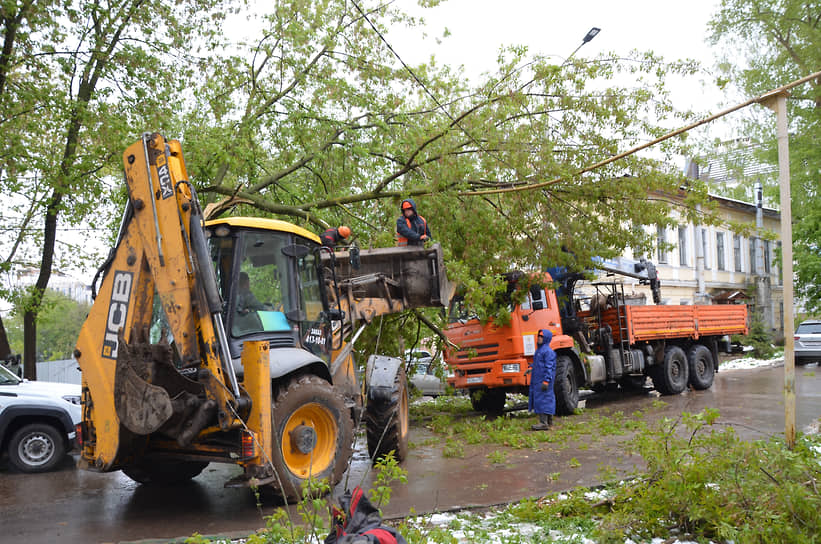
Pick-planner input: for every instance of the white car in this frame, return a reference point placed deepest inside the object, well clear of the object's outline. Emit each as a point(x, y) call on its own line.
point(37, 421)
point(808, 342)
point(423, 377)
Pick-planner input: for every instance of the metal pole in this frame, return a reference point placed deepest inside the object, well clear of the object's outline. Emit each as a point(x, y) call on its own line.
point(778, 103)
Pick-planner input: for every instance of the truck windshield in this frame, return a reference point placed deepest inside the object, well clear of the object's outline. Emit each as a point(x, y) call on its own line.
point(460, 312)
point(263, 290)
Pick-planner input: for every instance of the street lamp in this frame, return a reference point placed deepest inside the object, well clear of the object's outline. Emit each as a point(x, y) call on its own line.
point(587, 37)
point(590, 34)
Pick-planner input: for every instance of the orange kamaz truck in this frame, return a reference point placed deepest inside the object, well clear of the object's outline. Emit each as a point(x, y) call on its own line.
point(601, 340)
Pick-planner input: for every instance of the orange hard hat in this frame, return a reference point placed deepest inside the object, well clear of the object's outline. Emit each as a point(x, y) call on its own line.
point(407, 205)
point(344, 231)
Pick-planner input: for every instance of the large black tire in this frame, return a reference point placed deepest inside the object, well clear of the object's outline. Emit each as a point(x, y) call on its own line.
point(387, 423)
point(164, 472)
point(313, 436)
point(488, 401)
point(566, 386)
point(672, 375)
point(702, 366)
point(36, 447)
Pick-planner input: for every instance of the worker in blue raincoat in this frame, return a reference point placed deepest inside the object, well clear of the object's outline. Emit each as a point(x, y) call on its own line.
point(542, 400)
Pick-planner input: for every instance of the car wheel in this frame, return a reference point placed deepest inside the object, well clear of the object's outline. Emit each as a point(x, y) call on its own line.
point(36, 447)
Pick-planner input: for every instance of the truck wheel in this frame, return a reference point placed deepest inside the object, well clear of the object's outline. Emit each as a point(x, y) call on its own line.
point(313, 436)
point(489, 401)
point(164, 472)
point(387, 423)
point(702, 367)
point(566, 387)
point(671, 376)
point(36, 447)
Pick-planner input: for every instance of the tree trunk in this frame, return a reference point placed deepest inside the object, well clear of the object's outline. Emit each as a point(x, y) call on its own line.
point(33, 306)
point(5, 349)
point(30, 345)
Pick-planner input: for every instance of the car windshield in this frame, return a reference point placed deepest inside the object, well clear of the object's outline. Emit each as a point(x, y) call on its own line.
point(809, 328)
point(7, 377)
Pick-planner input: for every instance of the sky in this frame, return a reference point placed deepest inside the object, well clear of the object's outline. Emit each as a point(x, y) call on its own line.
point(478, 28)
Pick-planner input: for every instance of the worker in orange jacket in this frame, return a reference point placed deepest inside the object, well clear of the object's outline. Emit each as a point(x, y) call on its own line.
point(411, 229)
point(333, 236)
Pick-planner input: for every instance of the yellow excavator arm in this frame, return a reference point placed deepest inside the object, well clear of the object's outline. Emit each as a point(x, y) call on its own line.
point(132, 388)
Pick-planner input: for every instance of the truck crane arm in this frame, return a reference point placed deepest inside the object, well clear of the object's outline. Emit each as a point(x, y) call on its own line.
point(642, 270)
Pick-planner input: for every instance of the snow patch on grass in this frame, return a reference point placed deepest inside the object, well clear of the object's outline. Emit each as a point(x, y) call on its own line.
point(747, 363)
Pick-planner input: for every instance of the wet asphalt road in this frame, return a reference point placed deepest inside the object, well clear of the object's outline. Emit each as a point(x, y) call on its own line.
point(71, 505)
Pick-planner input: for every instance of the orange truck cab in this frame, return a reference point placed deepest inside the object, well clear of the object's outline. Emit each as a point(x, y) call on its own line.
point(494, 360)
point(611, 344)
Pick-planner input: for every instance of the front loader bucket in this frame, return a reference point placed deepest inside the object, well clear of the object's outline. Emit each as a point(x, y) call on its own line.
point(392, 279)
point(143, 408)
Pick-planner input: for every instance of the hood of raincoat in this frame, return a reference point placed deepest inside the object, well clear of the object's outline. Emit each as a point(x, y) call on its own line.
point(548, 336)
point(412, 203)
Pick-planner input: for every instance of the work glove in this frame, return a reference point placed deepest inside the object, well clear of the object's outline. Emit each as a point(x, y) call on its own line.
point(423, 237)
point(545, 386)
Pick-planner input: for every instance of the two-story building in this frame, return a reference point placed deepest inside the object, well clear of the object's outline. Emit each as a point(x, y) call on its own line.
point(711, 264)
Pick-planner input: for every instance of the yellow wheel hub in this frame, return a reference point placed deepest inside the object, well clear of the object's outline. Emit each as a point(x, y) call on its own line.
point(309, 440)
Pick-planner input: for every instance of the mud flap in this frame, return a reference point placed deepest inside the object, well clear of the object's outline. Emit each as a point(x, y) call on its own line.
point(380, 375)
point(142, 408)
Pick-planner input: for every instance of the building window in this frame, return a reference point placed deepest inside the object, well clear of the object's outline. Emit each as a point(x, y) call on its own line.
point(737, 253)
point(661, 240)
point(720, 251)
point(705, 246)
point(766, 256)
point(753, 265)
point(779, 268)
point(682, 245)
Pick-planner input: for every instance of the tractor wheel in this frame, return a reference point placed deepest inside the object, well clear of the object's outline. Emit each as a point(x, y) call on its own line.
point(702, 368)
point(387, 423)
point(313, 436)
point(488, 401)
point(566, 386)
point(671, 376)
point(164, 472)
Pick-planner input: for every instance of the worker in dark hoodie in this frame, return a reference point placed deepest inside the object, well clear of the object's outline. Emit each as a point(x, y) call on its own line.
point(542, 400)
point(411, 228)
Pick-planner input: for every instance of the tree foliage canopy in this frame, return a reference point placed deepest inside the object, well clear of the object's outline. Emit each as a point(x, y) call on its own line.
point(306, 114)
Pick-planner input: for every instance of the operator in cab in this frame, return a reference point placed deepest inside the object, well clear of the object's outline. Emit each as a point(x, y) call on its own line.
point(246, 301)
point(411, 228)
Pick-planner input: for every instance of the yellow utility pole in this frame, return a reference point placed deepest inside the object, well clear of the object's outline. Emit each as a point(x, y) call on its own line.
point(777, 101)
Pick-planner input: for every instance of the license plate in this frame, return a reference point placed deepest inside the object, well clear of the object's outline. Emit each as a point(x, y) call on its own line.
point(476, 379)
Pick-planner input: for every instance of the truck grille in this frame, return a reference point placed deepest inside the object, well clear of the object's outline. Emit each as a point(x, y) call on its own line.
point(478, 352)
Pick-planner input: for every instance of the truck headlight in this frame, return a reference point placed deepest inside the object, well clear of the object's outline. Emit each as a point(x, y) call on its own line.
point(512, 367)
point(73, 399)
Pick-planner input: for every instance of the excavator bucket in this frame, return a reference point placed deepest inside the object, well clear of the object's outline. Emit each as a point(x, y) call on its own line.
point(380, 281)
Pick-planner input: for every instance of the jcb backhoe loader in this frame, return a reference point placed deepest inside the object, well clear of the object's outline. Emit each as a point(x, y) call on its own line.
point(230, 341)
